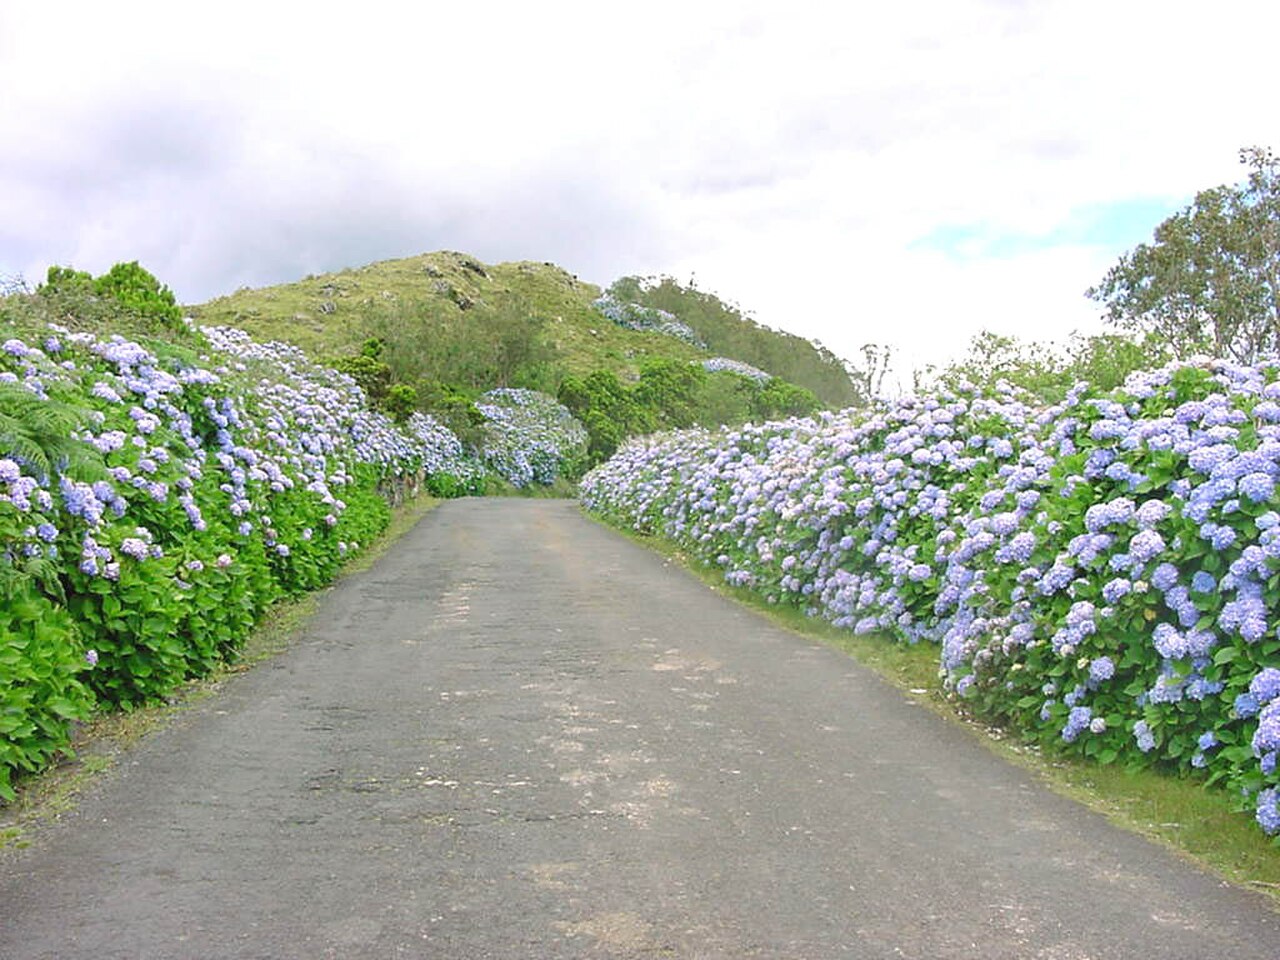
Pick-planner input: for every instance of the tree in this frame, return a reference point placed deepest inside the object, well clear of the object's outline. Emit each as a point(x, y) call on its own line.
point(608, 409)
point(1047, 370)
point(777, 399)
point(127, 286)
point(1210, 280)
point(517, 351)
point(454, 409)
point(66, 280)
point(671, 388)
point(727, 398)
point(868, 378)
point(401, 402)
point(136, 289)
point(368, 369)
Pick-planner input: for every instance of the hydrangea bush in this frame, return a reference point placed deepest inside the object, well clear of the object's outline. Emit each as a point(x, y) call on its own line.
point(530, 437)
point(217, 484)
point(1103, 575)
point(729, 365)
point(635, 316)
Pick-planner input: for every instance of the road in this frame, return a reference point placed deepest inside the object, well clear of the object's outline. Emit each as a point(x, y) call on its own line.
point(519, 735)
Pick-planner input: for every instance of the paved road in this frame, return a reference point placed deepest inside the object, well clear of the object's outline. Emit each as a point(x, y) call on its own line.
point(520, 736)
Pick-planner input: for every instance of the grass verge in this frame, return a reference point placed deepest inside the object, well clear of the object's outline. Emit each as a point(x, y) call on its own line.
point(97, 744)
point(1196, 822)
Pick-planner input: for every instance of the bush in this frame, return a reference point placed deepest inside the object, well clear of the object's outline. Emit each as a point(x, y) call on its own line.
point(529, 437)
point(1102, 575)
point(128, 286)
point(138, 291)
point(154, 503)
point(42, 658)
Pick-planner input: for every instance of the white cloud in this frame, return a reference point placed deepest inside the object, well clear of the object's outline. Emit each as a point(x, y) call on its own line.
point(792, 156)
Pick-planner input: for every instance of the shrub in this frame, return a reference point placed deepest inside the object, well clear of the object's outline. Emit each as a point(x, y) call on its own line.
point(529, 437)
point(128, 286)
point(1102, 575)
point(153, 503)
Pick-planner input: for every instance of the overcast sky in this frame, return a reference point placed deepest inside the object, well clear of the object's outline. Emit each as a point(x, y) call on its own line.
point(906, 174)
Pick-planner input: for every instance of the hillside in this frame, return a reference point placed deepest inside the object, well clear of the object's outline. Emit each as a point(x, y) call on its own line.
point(446, 316)
point(728, 332)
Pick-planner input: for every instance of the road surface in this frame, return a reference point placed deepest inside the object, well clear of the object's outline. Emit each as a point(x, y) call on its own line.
point(519, 735)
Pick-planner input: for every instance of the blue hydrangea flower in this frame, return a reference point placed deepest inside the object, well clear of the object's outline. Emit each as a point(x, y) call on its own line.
point(1077, 722)
point(1247, 705)
point(1203, 582)
point(1265, 686)
point(1164, 577)
point(1268, 810)
point(1143, 736)
point(1146, 545)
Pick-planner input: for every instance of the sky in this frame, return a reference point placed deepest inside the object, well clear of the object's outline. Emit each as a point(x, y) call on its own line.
point(900, 174)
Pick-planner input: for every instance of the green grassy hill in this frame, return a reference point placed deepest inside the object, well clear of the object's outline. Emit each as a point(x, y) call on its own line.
point(728, 332)
point(447, 317)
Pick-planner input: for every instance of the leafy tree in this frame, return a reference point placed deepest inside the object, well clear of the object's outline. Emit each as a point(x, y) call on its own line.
point(727, 398)
point(491, 344)
point(401, 401)
point(520, 354)
point(1210, 280)
point(1104, 360)
point(453, 408)
point(1039, 368)
point(671, 389)
point(373, 375)
point(608, 409)
point(137, 290)
point(66, 280)
point(1045, 370)
point(125, 285)
point(376, 379)
point(778, 399)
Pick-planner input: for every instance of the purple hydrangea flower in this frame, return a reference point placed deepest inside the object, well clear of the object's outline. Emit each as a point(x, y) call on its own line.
point(1257, 487)
point(1077, 722)
point(1146, 545)
point(1268, 810)
point(1143, 736)
point(134, 547)
point(1265, 686)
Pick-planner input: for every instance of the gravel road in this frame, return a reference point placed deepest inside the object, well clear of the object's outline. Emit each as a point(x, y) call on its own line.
point(519, 735)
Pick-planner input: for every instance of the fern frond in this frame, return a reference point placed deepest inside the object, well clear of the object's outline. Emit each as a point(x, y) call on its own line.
point(39, 433)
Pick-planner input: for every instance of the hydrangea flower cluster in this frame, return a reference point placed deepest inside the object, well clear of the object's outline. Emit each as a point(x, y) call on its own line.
point(1100, 574)
point(209, 486)
point(635, 316)
point(529, 437)
point(314, 412)
point(728, 365)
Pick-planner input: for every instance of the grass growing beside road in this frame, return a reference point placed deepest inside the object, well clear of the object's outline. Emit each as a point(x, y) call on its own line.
point(101, 741)
point(1197, 822)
